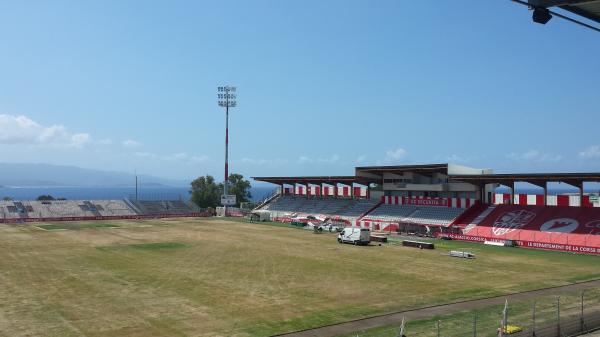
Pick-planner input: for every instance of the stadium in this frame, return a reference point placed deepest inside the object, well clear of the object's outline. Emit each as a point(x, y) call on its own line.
point(437, 200)
point(162, 268)
point(451, 250)
point(451, 201)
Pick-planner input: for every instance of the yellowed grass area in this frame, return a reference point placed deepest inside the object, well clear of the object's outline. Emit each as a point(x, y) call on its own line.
point(223, 278)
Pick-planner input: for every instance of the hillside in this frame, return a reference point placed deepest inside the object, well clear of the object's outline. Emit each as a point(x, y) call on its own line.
point(46, 175)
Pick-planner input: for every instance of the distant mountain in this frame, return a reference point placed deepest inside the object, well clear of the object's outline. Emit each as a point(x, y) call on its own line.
point(46, 175)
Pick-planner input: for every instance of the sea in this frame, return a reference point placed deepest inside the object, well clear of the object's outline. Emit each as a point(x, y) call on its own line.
point(99, 193)
point(169, 193)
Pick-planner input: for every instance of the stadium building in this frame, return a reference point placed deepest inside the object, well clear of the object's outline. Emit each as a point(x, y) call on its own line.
point(448, 200)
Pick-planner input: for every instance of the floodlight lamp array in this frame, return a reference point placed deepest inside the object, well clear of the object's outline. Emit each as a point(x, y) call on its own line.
point(227, 96)
point(231, 104)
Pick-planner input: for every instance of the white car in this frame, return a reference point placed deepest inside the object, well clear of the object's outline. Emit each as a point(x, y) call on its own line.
point(355, 235)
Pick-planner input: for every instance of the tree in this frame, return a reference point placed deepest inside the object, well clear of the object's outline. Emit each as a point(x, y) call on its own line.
point(205, 192)
point(7, 198)
point(240, 187)
point(45, 197)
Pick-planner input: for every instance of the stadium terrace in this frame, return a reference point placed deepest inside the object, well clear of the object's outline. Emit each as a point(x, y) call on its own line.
point(76, 210)
point(448, 200)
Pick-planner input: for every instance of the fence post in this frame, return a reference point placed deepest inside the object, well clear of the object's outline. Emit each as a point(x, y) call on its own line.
point(533, 320)
point(558, 316)
point(438, 328)
point(582, 321)
point(475, 324)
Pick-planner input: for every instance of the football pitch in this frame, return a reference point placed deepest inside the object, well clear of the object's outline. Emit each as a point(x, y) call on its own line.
point(219, 277)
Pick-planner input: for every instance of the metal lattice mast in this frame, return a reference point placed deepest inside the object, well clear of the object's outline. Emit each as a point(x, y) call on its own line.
point(227, 99)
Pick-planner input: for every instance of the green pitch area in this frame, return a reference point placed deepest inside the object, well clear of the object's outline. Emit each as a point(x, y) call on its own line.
point(75, 226)
point(211, 277)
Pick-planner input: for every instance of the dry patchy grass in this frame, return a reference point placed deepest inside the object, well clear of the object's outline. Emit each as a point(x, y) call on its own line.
point(209, 277)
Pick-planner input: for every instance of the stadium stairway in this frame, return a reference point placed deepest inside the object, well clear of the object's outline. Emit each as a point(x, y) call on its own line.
point(134, 205)
point(370, 210)
point(9, 211)
point(21, 209)
point(92, 208)
point(268, 200)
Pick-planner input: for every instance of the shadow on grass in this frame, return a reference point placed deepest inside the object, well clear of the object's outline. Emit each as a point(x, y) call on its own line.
point(77, 226)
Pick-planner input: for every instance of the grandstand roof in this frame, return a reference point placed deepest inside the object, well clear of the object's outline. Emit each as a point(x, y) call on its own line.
point(404, 168)
point(422, 169)
point(373, 174)
point(534, 178)
point(315, 180)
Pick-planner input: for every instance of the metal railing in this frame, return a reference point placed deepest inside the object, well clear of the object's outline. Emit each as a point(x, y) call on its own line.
point(551, 316)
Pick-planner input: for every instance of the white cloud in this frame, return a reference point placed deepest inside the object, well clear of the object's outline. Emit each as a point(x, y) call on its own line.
point(253, 161)
point(331, 160)
point(452, 158)
point(130, 143)
point(361, 159)
point(181, 157)
point(591, 152)
point(177, 156)
point(22, 130)
point(535, 156)
point(392, 156)
point(199, 159)
point(305, 160)
point(80, 139)
point(395, 154)
point(263, 162)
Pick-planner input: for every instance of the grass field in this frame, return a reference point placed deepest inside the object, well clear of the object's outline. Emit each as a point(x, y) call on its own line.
point(211, 277)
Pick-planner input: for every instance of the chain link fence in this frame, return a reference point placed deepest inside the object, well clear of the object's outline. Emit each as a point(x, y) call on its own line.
point(569, 314)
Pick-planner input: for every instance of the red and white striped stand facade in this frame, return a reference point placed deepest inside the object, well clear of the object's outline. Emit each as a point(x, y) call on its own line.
point(326, 190)
point(361, 192)
point(538, 200)
point(314, 190)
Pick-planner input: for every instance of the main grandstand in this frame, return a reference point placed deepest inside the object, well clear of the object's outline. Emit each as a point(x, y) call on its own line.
point(448, 200)
point(67, 210)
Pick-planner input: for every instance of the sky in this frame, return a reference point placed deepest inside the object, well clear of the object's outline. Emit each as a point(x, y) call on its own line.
point(323, 86)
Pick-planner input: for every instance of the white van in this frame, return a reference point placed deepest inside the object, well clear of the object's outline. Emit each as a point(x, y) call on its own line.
point(355, 235)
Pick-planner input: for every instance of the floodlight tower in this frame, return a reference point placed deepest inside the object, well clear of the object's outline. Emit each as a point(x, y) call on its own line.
point(227, 99)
